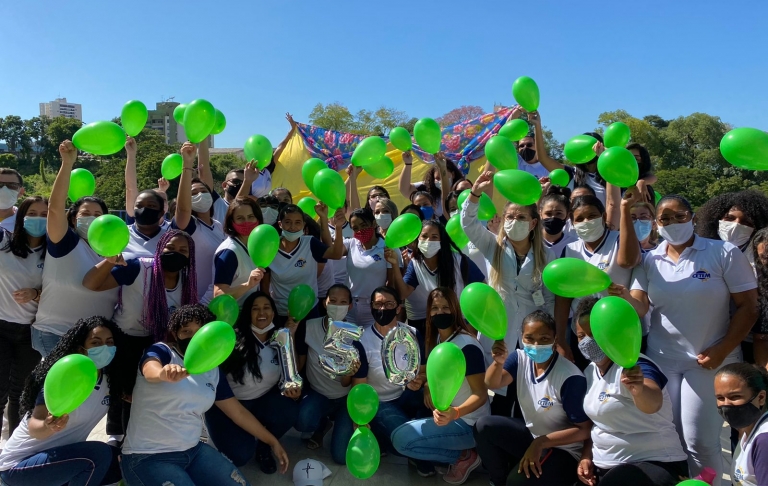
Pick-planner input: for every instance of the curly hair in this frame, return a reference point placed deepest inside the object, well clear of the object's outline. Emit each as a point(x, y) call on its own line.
point(247, 350)
point(184, 314)
point(752, 203)
point(761, 326)
point(72, 343)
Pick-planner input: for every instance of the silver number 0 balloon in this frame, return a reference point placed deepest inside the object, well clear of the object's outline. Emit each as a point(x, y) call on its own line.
point(341, 352)
point(283, 343)
point(405, 371)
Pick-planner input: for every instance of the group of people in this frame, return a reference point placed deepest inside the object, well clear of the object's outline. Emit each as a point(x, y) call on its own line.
point(543, 406)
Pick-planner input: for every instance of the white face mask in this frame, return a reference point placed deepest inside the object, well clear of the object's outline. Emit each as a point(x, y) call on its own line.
point(8, 197)
point(83, 224)
point(293, 235)
point(270, 215)
point(517, 230)
point(429, 248)
point(258, 330)
point(677, 234)
point(337, 312)
point(454, 213)
point(383, 220)
point(590, 231)
point(733, 232)
point(201, 202)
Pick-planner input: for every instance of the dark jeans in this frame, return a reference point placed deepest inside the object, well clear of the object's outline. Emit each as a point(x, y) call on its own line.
point(78, 464)
point(502, 442)
point(131, 350)
point(275, 412)
point(394, 413)
point(643, 474)
point(17, 360)
point(313, 411)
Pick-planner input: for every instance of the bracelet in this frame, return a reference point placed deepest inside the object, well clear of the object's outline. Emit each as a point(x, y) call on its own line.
point(476, 195)
point(189, 168)
point(458, 414)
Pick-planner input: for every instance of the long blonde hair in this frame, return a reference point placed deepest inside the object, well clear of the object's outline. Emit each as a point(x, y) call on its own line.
point(539, 255)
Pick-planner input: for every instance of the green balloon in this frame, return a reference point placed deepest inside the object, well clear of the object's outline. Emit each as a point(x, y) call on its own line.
point(446, 367)
point(210, 346)
point(381, 169)
point(308, 171)
point(369, 151)
point(456, 232)
point(658, 197)
point(518, 186)
point(483, 308)
point(501, 152)
point(401, 139)
point(515, 129)
point(225, 308)
point(362, 403)
point(486, 209)
point(301, 300)
point(258, 148)
point(574, 278)
point(330, 188)
point(172, 166)
point(526, 93)
point(69, 383)
point(746, 148)
point(100, 138)
point(403, 230)
point(579, 149)
point(81, 183)
point(618, 166)
point(427, 135)
point(263, 243)
point(178, 113)
point(199, 119)
point(307, 204)
point(220, 124)
point(559, 177)
point(616, 135)
point(693, 482)
point(108, 235)
point(363, 453)
point(134, 117)
point(616, 328)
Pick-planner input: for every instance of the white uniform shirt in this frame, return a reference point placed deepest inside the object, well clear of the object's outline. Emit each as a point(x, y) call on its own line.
point(372, 365)
point(366, 270)
point(475, 365)
point(295, 268)
point(340, 267)
point(262, 185)
point(18, 273)
point(220, 207)
point(231, 266)
point(140, 245)
point(326, 279)
point(558, 247)
point(253, 388)
point(750, 454)
point(536, 168)
point(9, 223)
point(207, 240)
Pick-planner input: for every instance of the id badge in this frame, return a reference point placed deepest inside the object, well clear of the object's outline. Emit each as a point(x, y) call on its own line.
point(538, 298)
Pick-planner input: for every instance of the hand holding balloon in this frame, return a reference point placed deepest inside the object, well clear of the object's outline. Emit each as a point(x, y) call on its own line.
point(56, 424)
point(632, 378)
point(172, 373)
point(446, 417)
point(499, 351)
point(254, 278)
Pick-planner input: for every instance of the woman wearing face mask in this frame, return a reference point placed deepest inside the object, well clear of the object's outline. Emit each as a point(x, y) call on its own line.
point(437, 182)
point(22, 254)
point(269, 209)
point(555, 207)
point(385, 211)
point(426, 204)
point(11, 189)
point(63, 299)
point(740, 391)
point(374, 194)
point(53, 450)
point(544, 447)
point(446, 437)
point(634, 441)
point(644, 222)
point(163, 440)
point(253, 372)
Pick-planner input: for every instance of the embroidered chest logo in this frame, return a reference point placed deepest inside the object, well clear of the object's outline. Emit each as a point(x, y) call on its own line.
point(603, 265)
point(376, 257)
point(105, 401)
point(546, 403)
point(738, 475)
point(300, 263)
point(603, 397)
point(274, 361)
point(702, 275)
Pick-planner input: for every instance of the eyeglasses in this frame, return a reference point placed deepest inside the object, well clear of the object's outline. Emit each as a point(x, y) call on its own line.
point(14, 186)
point(525, 145)
point(383, 305)
point(642, 218)
point(679, 217)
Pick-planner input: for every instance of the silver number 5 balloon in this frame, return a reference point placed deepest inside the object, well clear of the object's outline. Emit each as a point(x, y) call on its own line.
point(405, 371)
point(283, 342)
point(341, 352)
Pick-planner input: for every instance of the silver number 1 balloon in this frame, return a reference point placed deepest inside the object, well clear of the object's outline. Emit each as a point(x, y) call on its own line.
point(283, 342)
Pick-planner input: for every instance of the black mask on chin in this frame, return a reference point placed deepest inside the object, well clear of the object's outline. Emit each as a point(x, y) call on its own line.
point(528, 154)
point(146, 216)
point(384, 317)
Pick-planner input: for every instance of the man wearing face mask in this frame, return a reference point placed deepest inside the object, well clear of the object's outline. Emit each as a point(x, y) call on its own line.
point(11, 189)
point(528, 159)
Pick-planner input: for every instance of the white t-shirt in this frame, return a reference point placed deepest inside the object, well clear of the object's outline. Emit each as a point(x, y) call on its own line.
point(558, 247)
point(536, 168)
point(220, 208)
point(372, 365)
point(253, 388)
point(326, 279)
point(295, 268)
point(231, 266)
point(140, 245)
point(473, 355)
point(262, 185)
point(207, 240)
point(340, 268)
point(9, 223)
point(750, 452)
point(18, 273)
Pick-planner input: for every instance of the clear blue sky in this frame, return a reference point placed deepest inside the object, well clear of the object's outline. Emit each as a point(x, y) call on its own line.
point(256, 60)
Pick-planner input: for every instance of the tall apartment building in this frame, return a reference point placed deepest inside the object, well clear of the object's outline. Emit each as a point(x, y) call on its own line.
point(61, 107)
point(161, 119)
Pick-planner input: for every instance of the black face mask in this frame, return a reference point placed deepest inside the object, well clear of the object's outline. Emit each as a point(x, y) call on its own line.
point(553, 226)
point(173, 261)
point(232, 190)
point(740, 416)
point(528, 154)
point(384, 316)
point(147, 216)
point(443, 321)
point(183, 344)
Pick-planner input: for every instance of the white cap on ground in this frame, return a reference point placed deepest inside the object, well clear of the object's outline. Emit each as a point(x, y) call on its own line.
point(310, 472)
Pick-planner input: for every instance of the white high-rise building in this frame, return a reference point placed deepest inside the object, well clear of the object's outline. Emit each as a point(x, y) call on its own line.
point(60, 107)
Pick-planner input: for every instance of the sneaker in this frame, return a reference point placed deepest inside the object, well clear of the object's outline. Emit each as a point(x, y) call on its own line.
point(424, 468)
point(459, 472)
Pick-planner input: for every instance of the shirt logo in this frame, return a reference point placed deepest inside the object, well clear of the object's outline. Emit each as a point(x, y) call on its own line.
point(40, 265)
point(546, 403)
point(210, 385)
point(702, 275)
point(603, 396)
point(738, 475)
point(105, 401)
point(376, 257)
point(603, 265)
point(300, 263)
point(274, 361)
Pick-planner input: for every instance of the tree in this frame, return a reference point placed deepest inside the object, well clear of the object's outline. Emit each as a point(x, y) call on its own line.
point(460, 114)
point(336, 116)
point(9, 161)
point(333, 116)
point(14, 133)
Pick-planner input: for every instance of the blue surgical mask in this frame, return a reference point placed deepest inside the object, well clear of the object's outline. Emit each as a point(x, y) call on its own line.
point(539, 353)
point(102, 355)
point(35, 225)
point(293, 235)
point(427, 211)
point(642, 229)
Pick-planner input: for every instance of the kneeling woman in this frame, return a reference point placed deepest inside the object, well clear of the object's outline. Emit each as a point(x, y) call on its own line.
point(53, 450)
point(163, 439)
point(547, 441)
point(253, 372)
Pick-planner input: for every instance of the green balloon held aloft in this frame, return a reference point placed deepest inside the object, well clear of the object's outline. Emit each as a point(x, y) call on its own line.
point(526, 93)
point(746, 148)
point(693, 482)
point(363, 454)
point(400, 139)
point(134, 117)
point(616, 328)
point(108, 235)
point(362, 403)
point(263, 243)
point(258, 148)
point(219, 124)
point(616, 135)
point(515, 129)
point(427, 135)
point(518, 186)
point(210, 346)
point(456, 232)
point(369, 151)
point(483, 308)
point(307, 204)
point(172, 166)
point(330, 188)
point(199, 119)
point(69, 383)
point(381, 169)
point(81, 184)
point(574, 278)
point(100, 138)
point(486, 209)
point(579, 149)
point(178, 113)
point(308, 171)
point(559, 177)
point(225, 308)
point(446, 367)
point(501, 152)
point(403, 230)
point(301, 300)
point(618, 166)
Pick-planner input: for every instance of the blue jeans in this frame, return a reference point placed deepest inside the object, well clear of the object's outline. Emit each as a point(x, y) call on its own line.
point(394, 413)
point(78, 464)
point(424, 439)
point(43, 342)
point(275, 412)
point(314, 408)
point(201, 464)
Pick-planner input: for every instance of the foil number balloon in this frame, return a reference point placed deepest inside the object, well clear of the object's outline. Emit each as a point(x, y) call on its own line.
point(400, 366)
point(283, 343)
point(341, 351)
